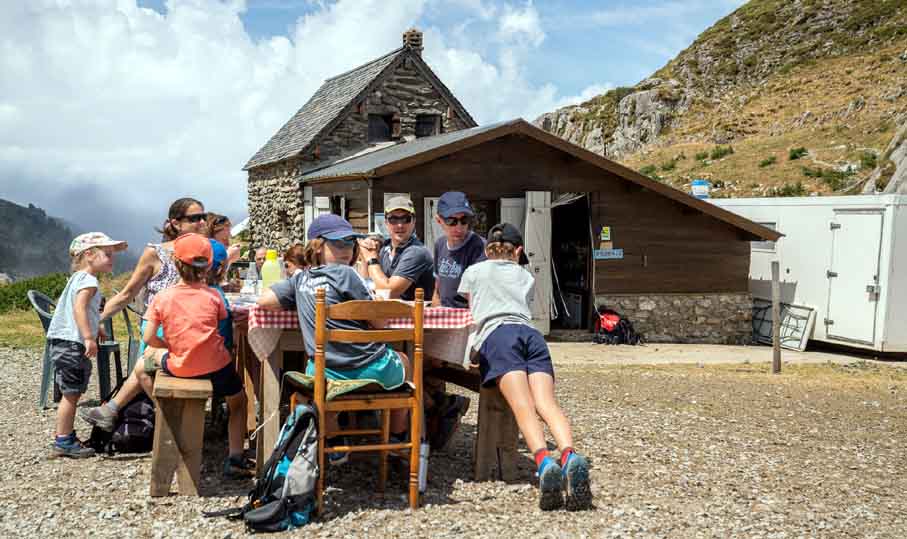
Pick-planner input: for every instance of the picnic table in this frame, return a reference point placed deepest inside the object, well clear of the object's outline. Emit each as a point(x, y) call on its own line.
point(270, 333)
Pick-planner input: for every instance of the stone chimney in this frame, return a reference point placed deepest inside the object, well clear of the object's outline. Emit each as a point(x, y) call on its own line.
point(412, 39)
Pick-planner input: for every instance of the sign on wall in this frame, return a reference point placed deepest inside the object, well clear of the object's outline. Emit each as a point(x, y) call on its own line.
point(608, 254)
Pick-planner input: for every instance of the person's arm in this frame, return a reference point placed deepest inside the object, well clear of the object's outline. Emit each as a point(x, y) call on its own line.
point(281, 296)
point(140, 275)
point(396, 284)
point(150, 336)
point(80, 313)
point(268, 300)
point(436, 297)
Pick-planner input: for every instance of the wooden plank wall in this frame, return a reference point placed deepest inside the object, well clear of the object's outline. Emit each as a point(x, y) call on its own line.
point(668, 247)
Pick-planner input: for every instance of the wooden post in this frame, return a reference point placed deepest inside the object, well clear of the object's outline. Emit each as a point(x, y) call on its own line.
point(776, 318)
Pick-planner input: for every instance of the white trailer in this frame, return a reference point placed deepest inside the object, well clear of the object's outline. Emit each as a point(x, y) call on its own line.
point(845, 257)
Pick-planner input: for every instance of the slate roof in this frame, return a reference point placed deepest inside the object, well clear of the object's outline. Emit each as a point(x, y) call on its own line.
point(424, 150)
point(328, 103)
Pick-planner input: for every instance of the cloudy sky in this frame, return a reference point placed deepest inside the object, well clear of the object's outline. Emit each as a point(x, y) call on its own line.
point(110, 109)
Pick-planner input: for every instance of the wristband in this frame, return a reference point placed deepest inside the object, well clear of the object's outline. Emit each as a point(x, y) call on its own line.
point(372, 261)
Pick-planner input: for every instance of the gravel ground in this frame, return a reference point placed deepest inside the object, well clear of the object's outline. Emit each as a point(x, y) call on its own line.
point(677, 451)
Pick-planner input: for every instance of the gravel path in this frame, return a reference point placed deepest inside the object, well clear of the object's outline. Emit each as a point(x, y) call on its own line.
point(678, 451)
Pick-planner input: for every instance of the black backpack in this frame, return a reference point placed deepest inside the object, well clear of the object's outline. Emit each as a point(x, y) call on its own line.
point(613, 328)
point(133, 431)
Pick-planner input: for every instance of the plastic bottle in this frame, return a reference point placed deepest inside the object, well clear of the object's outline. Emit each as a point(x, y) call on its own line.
point(250, 283)
point(270, 270)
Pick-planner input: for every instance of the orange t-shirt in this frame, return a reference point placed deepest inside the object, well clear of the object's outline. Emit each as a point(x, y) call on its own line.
point(189, 315)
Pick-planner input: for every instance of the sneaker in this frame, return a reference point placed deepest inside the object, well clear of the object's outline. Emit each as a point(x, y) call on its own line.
point(70, 448)
point(100, 416)
point(238, 467)
point(338, 459)
point(454, 410)
point(576, 483)
point(550, 493)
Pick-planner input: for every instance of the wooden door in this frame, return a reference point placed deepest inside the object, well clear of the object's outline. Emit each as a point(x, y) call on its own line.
point(537, 239)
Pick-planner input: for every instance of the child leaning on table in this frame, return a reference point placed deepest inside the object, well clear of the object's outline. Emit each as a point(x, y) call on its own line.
point(514, 356)
point(190, 313)
point(329, 254)
point(72, 333)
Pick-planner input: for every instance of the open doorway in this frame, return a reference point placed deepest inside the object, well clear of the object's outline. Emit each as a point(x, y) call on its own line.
point(571, 256)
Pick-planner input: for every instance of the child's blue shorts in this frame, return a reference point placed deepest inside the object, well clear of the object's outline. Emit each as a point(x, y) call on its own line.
point(513, 347)
point(387, 371)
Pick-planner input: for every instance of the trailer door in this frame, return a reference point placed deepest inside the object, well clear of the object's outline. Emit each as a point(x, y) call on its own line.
point(537, 239)
point(853, 278)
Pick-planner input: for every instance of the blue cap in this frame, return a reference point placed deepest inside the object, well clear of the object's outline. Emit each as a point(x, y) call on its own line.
point(331, 227)
point(452, 203)
point(218, 254)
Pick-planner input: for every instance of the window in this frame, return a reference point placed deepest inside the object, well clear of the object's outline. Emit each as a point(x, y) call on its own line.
point(768, 246)
point(379, 128)
point(427, 125)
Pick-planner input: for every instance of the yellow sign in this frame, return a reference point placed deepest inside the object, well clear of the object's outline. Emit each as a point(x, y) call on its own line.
point(605, 234)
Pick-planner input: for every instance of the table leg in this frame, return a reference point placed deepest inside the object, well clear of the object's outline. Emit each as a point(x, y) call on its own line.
point(496, 438)
point(270, 406)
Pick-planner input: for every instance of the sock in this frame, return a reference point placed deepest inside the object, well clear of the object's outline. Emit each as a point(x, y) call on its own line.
point(540, 455)
point(565, 454)
point(113, 407)
point(66, 438)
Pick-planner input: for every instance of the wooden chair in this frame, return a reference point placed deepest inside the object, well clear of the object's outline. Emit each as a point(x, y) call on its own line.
point(407, 397)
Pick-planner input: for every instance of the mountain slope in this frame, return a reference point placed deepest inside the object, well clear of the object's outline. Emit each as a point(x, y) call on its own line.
point(31, 242)
point(826, 76)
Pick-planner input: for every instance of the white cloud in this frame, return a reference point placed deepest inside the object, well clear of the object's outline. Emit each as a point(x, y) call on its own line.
point(109, 111)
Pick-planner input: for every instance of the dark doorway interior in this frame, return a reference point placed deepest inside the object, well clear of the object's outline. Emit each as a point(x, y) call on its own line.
point(571, 254)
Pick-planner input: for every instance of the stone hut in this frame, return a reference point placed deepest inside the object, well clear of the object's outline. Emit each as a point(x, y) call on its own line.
point(390, 100)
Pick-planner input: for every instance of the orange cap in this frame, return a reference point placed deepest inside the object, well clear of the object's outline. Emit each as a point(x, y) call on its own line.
point(193, 249)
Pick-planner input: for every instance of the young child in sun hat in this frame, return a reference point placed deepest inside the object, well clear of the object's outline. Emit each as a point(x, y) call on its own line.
point(73, 332)
point(515, 357)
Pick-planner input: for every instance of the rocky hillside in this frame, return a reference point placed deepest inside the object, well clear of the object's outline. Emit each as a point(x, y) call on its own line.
point(31, 242)
point(778, 98)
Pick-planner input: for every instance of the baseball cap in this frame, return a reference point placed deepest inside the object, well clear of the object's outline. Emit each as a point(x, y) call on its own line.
point(331, 227)
point(88, 240)
point(452, 203)
point(507, 233)
point(218, 254)
point(399, 203)
point(193, 249)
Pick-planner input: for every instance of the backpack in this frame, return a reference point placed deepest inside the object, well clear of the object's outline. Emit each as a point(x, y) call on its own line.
point(612, 328)
point(284, 497)
point(133, 431)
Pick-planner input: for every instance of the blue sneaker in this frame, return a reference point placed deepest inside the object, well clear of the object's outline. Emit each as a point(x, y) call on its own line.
point(550, 492)
point(576, 483)
point(338, 459)
point(70, 447)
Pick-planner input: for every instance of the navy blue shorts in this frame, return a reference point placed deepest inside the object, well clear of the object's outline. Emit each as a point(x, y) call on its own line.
point(225, 382)
point(513, 347)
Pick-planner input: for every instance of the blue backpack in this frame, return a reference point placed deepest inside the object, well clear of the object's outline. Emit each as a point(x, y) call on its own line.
point(284, 497)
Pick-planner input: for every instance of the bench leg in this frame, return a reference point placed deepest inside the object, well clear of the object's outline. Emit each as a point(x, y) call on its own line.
point(496, 441)
point(178, 439)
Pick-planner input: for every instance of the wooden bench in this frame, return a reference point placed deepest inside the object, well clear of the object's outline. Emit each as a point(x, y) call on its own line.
point(495, 453)
point(178, 433)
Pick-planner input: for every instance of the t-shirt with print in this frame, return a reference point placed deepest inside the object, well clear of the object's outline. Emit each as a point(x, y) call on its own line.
point(340, 283)
point(450, 264)
point(500, 292)
point(63, 324)
point(190, 315)
point(412, 261)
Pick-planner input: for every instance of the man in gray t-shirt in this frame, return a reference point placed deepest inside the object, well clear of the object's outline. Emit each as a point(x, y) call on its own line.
point(341, 283)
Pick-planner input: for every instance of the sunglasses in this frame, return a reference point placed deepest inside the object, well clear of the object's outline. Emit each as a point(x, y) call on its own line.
point(342, 243)
point(454, 221)
point(399, 219)
point(195, 217)
point(221, 220)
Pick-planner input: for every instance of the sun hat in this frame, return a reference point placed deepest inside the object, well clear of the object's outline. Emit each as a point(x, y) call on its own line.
point(452, 203)
point(218, 254)
point(88, 240)
point(193, 249)
point(399, 203)
point(507, 233)
point(331, 227)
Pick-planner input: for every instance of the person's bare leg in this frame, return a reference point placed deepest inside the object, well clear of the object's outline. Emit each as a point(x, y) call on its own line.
point(139, 380)
point(515, 387)
point(400, 418)
point(542, 387)
point(66, 413)
point(236, 427)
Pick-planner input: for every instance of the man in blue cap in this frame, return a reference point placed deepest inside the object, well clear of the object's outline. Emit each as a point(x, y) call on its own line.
point(458, 249)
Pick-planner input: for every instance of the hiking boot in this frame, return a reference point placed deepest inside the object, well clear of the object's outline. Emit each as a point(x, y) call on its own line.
point(550, 494)
point(576, 483)
point(239, 467)
point(100, 416)
point(454, 410)
point(70, 448)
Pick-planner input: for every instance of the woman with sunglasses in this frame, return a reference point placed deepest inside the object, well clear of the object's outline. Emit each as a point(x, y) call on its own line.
point(156, 270)
point(330, 253)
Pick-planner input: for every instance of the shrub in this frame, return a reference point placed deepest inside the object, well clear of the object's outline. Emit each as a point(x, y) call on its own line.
point(834, 179)
point(647, 170)
point(702, 156)
point(868, 160)
point(796, 153)
point(14, 296)
point(720, 151)
point(668, 165)
point(788, 190)
point(768, 161)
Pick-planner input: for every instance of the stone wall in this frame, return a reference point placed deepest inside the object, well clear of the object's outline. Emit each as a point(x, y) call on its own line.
point(687, 318)
point(275, 197)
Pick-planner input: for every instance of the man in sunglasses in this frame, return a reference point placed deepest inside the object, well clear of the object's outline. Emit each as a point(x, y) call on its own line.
point(403, 263)
point(457, 250)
